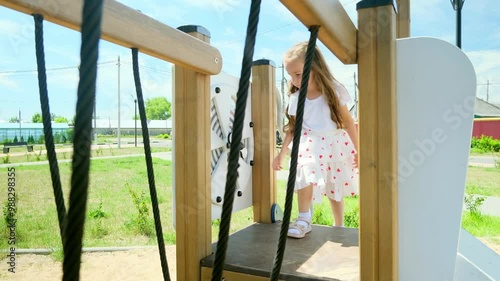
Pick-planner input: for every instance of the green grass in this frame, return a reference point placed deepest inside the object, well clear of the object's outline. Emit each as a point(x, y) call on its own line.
point(111, 210)
point(483, 181)
point(481, 225)
point(37, 225)
point(39, 153)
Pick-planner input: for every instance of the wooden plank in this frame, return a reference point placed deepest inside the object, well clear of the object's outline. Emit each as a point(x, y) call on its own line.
point(404, 20)
point(130, 28)
point(337, 31)
point(368, 177)
point(192, 169)
point(206, 275)
point(378, 143)
point(264, 130)
point(387, 145)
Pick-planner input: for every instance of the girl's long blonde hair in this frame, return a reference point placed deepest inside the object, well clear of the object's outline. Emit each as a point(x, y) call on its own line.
point(322, 78)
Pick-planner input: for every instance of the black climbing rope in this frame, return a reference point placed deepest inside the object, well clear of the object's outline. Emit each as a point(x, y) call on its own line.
point(149, 164)
point(278, 260)
point(234, 153)
point(91, 33)
point(47, 126)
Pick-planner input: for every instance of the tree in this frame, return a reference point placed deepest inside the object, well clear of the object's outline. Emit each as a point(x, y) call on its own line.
point(158, 108)
point(14, 119)
point(60, 119)
point(37, 118)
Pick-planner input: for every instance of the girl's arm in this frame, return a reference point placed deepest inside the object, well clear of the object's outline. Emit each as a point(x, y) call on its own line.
point(350, 128)
point(284, 149)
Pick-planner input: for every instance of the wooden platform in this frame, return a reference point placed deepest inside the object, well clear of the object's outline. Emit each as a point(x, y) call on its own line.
point(327, 253)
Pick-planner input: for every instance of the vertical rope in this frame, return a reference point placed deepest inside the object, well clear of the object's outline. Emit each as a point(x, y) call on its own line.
point(234, 153)
point(91, 33)
point(47, 126)
point(149, 164)
point(278, 260)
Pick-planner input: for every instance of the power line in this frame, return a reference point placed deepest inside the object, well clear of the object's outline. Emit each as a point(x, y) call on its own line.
point(260, 33)
point(48, 69)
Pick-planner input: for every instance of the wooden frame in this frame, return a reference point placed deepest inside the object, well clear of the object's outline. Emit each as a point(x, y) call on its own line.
point(372, 47)
point(337, 31)
point(403, 18)
point(378, 141)
point(193, 205)
point(264, 119)
point(129, 28)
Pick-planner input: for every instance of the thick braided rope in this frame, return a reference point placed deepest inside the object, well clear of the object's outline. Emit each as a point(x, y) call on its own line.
point(47, 126)
point(149, 164)
point(91, 33)
point(278, 260)
point(234, 153)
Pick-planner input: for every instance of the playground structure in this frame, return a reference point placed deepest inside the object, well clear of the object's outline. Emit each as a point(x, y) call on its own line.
point(373, 47)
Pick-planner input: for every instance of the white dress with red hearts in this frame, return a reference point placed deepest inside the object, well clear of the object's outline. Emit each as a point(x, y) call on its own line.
point(326, 153)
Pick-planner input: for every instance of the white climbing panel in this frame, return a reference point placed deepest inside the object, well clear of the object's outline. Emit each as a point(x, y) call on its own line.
point(436, 87)
point(223, 102)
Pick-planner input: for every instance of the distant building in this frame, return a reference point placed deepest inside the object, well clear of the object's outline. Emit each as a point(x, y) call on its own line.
point(486, 120)
point(8, 131)
point(127, 127)
point(483, 109)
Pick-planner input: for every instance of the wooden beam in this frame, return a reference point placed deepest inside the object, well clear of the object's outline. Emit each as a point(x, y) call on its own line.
point(404, 20)
point(264, 130)
point(378, 141)
point(129, 28)
point(337, 31)
point(192, 169)
point(206, 275)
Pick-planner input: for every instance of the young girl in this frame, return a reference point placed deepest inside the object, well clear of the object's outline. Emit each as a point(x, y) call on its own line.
point(327, 158)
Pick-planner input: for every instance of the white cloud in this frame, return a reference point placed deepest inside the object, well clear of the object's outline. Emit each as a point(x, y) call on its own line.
point(8, 83)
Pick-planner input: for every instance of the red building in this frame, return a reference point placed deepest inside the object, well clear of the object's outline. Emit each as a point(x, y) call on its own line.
point(486, 119)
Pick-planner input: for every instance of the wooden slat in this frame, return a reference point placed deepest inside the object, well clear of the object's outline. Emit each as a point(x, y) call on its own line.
point(378, 143)
point(130, 28)
point(337, 31)
point(192, 169)
point(404, 20)
point(206, 275)
point(264, 119)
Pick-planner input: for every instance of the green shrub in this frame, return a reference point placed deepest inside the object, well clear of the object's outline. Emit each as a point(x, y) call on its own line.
point(473, 203)
point(485, 144)
point(141, 221)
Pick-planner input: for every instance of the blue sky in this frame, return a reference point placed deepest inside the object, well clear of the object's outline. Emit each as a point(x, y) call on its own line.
point(226, 20)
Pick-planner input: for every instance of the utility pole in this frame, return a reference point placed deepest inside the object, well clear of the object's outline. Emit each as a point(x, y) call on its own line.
point(487, 90)
point(119, 139)
point(95, 121)
point(135, 119)
point(19, 125)
point(457, 6)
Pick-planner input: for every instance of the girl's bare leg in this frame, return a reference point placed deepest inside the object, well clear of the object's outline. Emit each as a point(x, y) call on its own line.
point(338, 211)
point(304, 199)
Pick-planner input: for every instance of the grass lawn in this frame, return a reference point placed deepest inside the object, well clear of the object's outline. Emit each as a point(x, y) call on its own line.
point(483, 181)
point(112, 214)
point(20, 155)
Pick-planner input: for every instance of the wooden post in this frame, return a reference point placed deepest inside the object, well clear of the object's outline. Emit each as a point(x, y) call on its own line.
point(192, 165)
point(378, 141)
point(404, 20)
point(264, 130)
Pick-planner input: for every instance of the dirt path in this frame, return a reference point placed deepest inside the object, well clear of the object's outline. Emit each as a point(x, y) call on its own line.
point(127, 266)
point(130, 265)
